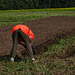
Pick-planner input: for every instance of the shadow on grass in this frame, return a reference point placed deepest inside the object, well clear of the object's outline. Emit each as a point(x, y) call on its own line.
point(7, 58)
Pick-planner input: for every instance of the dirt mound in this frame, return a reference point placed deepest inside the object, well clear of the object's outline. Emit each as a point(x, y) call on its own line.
point(47, 32)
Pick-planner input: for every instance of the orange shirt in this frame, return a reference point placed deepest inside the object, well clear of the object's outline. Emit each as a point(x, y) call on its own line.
point(25, 29)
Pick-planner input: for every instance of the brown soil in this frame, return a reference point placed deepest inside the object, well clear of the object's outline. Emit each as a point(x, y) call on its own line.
point(47, 31)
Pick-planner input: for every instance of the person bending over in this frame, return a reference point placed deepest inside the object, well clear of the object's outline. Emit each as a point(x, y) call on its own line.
point(21, 33)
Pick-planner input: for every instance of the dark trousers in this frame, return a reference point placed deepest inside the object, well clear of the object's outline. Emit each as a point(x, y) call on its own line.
point(25, 38)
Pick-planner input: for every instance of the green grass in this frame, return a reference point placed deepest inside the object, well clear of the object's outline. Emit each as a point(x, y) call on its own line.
point(11, 17)
point(48, 63)
point(62, 46)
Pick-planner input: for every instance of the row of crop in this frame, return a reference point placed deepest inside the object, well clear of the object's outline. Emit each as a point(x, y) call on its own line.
point(38, 10)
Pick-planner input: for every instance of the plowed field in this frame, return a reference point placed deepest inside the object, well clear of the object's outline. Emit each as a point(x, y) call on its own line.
point(47, 31)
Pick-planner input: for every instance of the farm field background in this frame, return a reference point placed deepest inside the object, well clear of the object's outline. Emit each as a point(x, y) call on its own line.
point(10, 17)
point(55, 48)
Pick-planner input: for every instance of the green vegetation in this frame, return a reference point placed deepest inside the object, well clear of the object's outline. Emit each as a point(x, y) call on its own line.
point(35, 4)
point(11, 17)
point(48, 63)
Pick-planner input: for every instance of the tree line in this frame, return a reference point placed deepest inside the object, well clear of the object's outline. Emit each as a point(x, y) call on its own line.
point(35, 4)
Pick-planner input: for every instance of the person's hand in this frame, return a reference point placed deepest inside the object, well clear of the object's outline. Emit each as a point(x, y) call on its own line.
point(34, 61)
